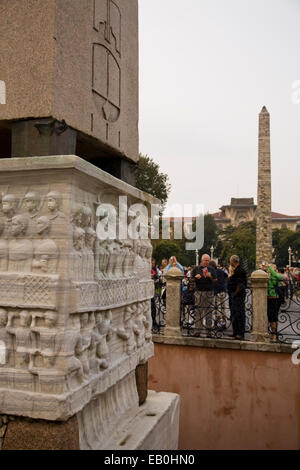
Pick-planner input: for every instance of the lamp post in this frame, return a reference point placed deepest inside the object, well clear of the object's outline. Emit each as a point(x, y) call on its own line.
point(197, 257)
point(212, 249)
point(290, 257)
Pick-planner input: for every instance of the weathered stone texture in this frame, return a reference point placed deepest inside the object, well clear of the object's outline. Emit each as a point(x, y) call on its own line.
point(75, 315)
point(264, 195)
point(73, 60)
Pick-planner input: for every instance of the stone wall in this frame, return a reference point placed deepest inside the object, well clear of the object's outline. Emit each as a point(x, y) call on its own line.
point(234, 395)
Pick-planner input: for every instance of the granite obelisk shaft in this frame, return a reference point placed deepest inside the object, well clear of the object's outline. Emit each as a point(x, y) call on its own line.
point(264, 192)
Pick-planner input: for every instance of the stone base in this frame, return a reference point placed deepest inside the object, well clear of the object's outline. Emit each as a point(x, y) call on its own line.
point(27, 434)
point(155, 426)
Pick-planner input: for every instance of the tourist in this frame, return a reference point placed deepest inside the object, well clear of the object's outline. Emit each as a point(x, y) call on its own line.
point(173, 263)
point(220, 295)
point(273, 298)
point(155, 278)
point(205, 277)
point(163, 268)
point(283, 286)
point(237, 285)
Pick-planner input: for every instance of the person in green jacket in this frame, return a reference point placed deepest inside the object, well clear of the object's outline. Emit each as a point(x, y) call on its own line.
point(273, 299)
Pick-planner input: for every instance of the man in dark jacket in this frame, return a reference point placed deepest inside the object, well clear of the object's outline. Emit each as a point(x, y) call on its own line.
point(205, 278)
point(220, 295)
point(237, 285)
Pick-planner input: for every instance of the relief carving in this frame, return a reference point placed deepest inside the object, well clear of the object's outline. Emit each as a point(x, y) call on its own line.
point(3, 248)
point(46, 251)
point(9, 209)
point(22, 339)
point(20, 249)
point(103, 322)
point(106, 81)
point(126, 332)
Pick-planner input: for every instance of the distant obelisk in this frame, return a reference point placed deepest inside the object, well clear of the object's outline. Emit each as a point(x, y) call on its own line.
point(264, 192)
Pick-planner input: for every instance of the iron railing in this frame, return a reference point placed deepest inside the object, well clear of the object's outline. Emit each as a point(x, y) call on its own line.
point(213, 318)
point(288, 329)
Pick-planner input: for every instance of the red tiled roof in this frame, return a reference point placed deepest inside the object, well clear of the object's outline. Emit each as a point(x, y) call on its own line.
point(276, 215)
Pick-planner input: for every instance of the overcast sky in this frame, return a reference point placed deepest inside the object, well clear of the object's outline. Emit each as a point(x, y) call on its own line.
point(206, 69)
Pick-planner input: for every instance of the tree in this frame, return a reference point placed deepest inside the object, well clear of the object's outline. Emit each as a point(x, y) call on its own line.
point(166, 249)
point(240, 241)
point(151, 180)
point(283, 239)
point(210, 238)
point(177, 247)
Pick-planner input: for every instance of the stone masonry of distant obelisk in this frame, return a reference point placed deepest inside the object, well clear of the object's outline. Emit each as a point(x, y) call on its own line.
point(264, 197)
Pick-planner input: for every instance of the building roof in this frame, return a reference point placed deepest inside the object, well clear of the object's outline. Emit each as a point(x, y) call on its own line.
point(276, 215)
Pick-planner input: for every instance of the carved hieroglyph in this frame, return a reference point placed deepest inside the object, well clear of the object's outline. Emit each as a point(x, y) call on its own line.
point(75, 312)
point(86, 68)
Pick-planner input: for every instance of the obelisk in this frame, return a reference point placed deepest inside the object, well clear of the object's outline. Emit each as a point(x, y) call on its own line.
point(264, 196)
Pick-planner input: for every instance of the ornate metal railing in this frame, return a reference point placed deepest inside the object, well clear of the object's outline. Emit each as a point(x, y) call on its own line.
point(158, 309)
point(289, 315)
point(213, 318)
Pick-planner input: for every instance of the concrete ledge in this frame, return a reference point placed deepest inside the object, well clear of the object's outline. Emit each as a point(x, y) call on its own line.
point(223, 344)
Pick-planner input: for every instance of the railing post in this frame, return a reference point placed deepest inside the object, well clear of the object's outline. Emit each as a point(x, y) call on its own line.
point(259, 283)
point(174, 278)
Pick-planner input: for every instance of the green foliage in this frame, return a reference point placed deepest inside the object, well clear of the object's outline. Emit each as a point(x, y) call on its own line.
point(282, 240)
point(166, 249)
point(239, 241)
point(150, 179)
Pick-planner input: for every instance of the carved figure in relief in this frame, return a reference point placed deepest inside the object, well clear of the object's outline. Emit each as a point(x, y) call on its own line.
point(55, 215)
point(46, 251)
point(45, 338)
point(114, 251)
point(94, 362)
point(138, 262)
point(9, 208)
point(126, 333)
point(147, 320)
point(20, 249)
point(32, 204)
point(103, 322)
point(77, 254)
point(77, 218)
point(73, 341)
point(54, 202)
point(102, 258)
point(87, 216)
point(138, 327)
point(3, 248)
point(22, 335)
point(90, 238)
point(85, 343)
